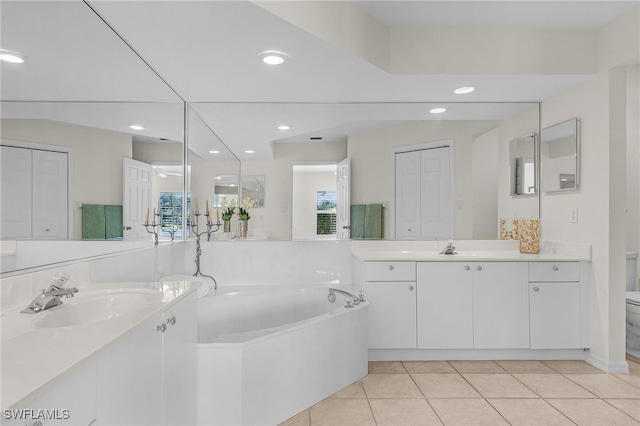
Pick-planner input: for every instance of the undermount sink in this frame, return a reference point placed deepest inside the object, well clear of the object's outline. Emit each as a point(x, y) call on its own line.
point(98, 305)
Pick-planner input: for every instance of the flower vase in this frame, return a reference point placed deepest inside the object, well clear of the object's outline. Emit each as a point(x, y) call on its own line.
point(244, 226)
point(227, 226)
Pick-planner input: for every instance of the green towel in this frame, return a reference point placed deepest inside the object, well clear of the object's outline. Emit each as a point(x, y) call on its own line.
point(373, 221)
point(93, 222)
point(357, 221)
point(113, 219)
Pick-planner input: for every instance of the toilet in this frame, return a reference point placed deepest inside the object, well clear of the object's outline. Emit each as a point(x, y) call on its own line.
point(633, 307)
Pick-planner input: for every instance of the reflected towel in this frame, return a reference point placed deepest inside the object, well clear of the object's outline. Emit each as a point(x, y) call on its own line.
point(366, 221)
point(113, 222)
point(93, 221)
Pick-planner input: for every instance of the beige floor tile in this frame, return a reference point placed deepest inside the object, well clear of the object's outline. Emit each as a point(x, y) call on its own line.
point(386, 367)
point(629, 378)
point(466, 412)
point(341, 412)
point(572, 366)
point(553, 386)
point(390, 386)
point(301, 419)
point(445, 385)
point(592, 412)
point(397, 412)
point(499, 386)
point(605, 385)
point(634, 368)
point(354, 390)
point(629, 406)
point(428, 367)
point(529, 412)
point(477, 367)
point(525, 367)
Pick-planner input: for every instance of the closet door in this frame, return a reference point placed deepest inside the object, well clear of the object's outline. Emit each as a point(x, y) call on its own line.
point(16, 193)
point(408, 195)
point(436, 194)
point(50, 195)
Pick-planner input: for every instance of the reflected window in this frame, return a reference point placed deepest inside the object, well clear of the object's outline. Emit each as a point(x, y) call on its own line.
point(326, 202)
point(171, 214)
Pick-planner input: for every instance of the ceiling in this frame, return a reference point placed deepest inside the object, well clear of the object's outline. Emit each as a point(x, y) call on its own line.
point(108, 60)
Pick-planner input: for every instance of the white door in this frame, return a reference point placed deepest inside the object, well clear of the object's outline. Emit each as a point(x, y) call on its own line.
point(408, 195)
point(435, 197)
point(343, 207)
point(137, 199)
point(50, 195)
point(16, 193)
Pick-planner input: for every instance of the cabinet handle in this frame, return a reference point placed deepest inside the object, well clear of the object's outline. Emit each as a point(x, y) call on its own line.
point(411, 287)
point(391, 267)
point(466, 268)
point(536, 289)
point(479, 268)
point(161, 328)
point(555, 268)
point(171, 321)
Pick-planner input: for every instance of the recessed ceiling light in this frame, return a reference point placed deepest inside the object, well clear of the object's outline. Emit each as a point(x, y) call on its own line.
point(463, 90)
point(273, 57)
point(136, 127)
point(11, 57)
point(214, 152)
point(249, 151)
point(437, 110)
point(284, 127)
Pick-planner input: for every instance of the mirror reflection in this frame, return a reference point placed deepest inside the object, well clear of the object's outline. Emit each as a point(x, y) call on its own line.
point(559, 157)
point(523, 165)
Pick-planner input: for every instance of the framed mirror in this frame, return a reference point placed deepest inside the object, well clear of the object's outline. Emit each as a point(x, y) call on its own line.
point(559, 157)
point(522, 161)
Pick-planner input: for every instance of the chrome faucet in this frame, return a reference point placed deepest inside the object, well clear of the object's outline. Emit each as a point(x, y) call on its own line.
point(51, 296)
point(449, 249)
point(352, 299)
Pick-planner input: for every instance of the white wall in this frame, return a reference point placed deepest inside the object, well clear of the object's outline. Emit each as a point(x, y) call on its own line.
point(633, 160)
point(484, 184)
point(97, 159)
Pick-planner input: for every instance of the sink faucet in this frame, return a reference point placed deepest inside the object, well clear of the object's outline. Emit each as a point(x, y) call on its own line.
point(51, 296)
point(449, 249)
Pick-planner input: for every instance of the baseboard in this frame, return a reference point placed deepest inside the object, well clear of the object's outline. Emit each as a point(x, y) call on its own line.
point(611, 367)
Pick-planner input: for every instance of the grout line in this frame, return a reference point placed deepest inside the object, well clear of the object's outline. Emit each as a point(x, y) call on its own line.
point(424, 396)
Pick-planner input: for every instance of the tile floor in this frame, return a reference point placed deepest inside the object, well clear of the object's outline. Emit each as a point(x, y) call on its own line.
point(482, 393)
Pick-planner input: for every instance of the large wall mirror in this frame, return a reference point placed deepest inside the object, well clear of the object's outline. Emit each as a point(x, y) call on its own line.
point(559, 157)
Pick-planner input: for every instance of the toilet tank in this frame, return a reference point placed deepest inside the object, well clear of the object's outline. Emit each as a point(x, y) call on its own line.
point(632, 261)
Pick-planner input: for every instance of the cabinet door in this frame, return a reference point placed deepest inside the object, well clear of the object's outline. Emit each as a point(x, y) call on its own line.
point(444, 308)
point(500, 305)
point(130, 378)
point(391, 315)
point(180, 363)
point(70, 403)
point(555, 315)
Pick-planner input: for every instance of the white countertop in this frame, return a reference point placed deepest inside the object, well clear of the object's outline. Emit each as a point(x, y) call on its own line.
point(462, 256)
point(36, 358)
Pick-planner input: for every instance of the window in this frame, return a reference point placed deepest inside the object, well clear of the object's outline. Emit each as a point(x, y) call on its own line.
point(171, 209)
point(326, 212)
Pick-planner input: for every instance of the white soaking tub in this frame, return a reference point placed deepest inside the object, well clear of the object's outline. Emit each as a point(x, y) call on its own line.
point(266, 353)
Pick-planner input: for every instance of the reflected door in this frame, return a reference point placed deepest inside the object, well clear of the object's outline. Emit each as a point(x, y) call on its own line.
point(137, 199)
point(343, 206)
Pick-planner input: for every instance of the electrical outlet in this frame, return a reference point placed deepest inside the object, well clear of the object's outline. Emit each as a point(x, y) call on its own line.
point(574, 215)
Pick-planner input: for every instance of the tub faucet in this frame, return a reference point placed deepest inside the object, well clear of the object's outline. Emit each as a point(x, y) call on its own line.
point(449, 249)
point(352, 299)
point(51, 296)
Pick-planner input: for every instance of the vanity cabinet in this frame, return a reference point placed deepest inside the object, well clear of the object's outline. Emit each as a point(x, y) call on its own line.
point(149, 378)
point(391, 290)
point(554, 301)
point(445, 305)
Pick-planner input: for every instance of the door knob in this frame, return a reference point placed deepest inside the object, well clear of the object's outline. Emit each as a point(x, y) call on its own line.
point(126, 228)
point(346, 227)
point(411, 287)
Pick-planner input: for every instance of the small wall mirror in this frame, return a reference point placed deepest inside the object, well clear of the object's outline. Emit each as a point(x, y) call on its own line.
point(225, 191)
point(254, 187)
point(522, 162)
point(559, 159)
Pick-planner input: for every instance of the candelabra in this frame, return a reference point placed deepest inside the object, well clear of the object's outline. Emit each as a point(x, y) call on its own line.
point(154, 225)
point(209, 231)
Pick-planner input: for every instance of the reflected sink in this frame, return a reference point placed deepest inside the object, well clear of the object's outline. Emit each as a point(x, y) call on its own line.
point(92, 306)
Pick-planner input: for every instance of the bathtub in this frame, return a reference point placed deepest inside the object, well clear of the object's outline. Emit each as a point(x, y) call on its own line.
point(266, 353)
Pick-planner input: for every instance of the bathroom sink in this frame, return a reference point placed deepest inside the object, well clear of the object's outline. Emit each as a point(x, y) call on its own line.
point(98, 305)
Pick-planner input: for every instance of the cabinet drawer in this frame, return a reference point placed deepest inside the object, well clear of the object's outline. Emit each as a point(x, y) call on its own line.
point(390, 271)
point(554, 271)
